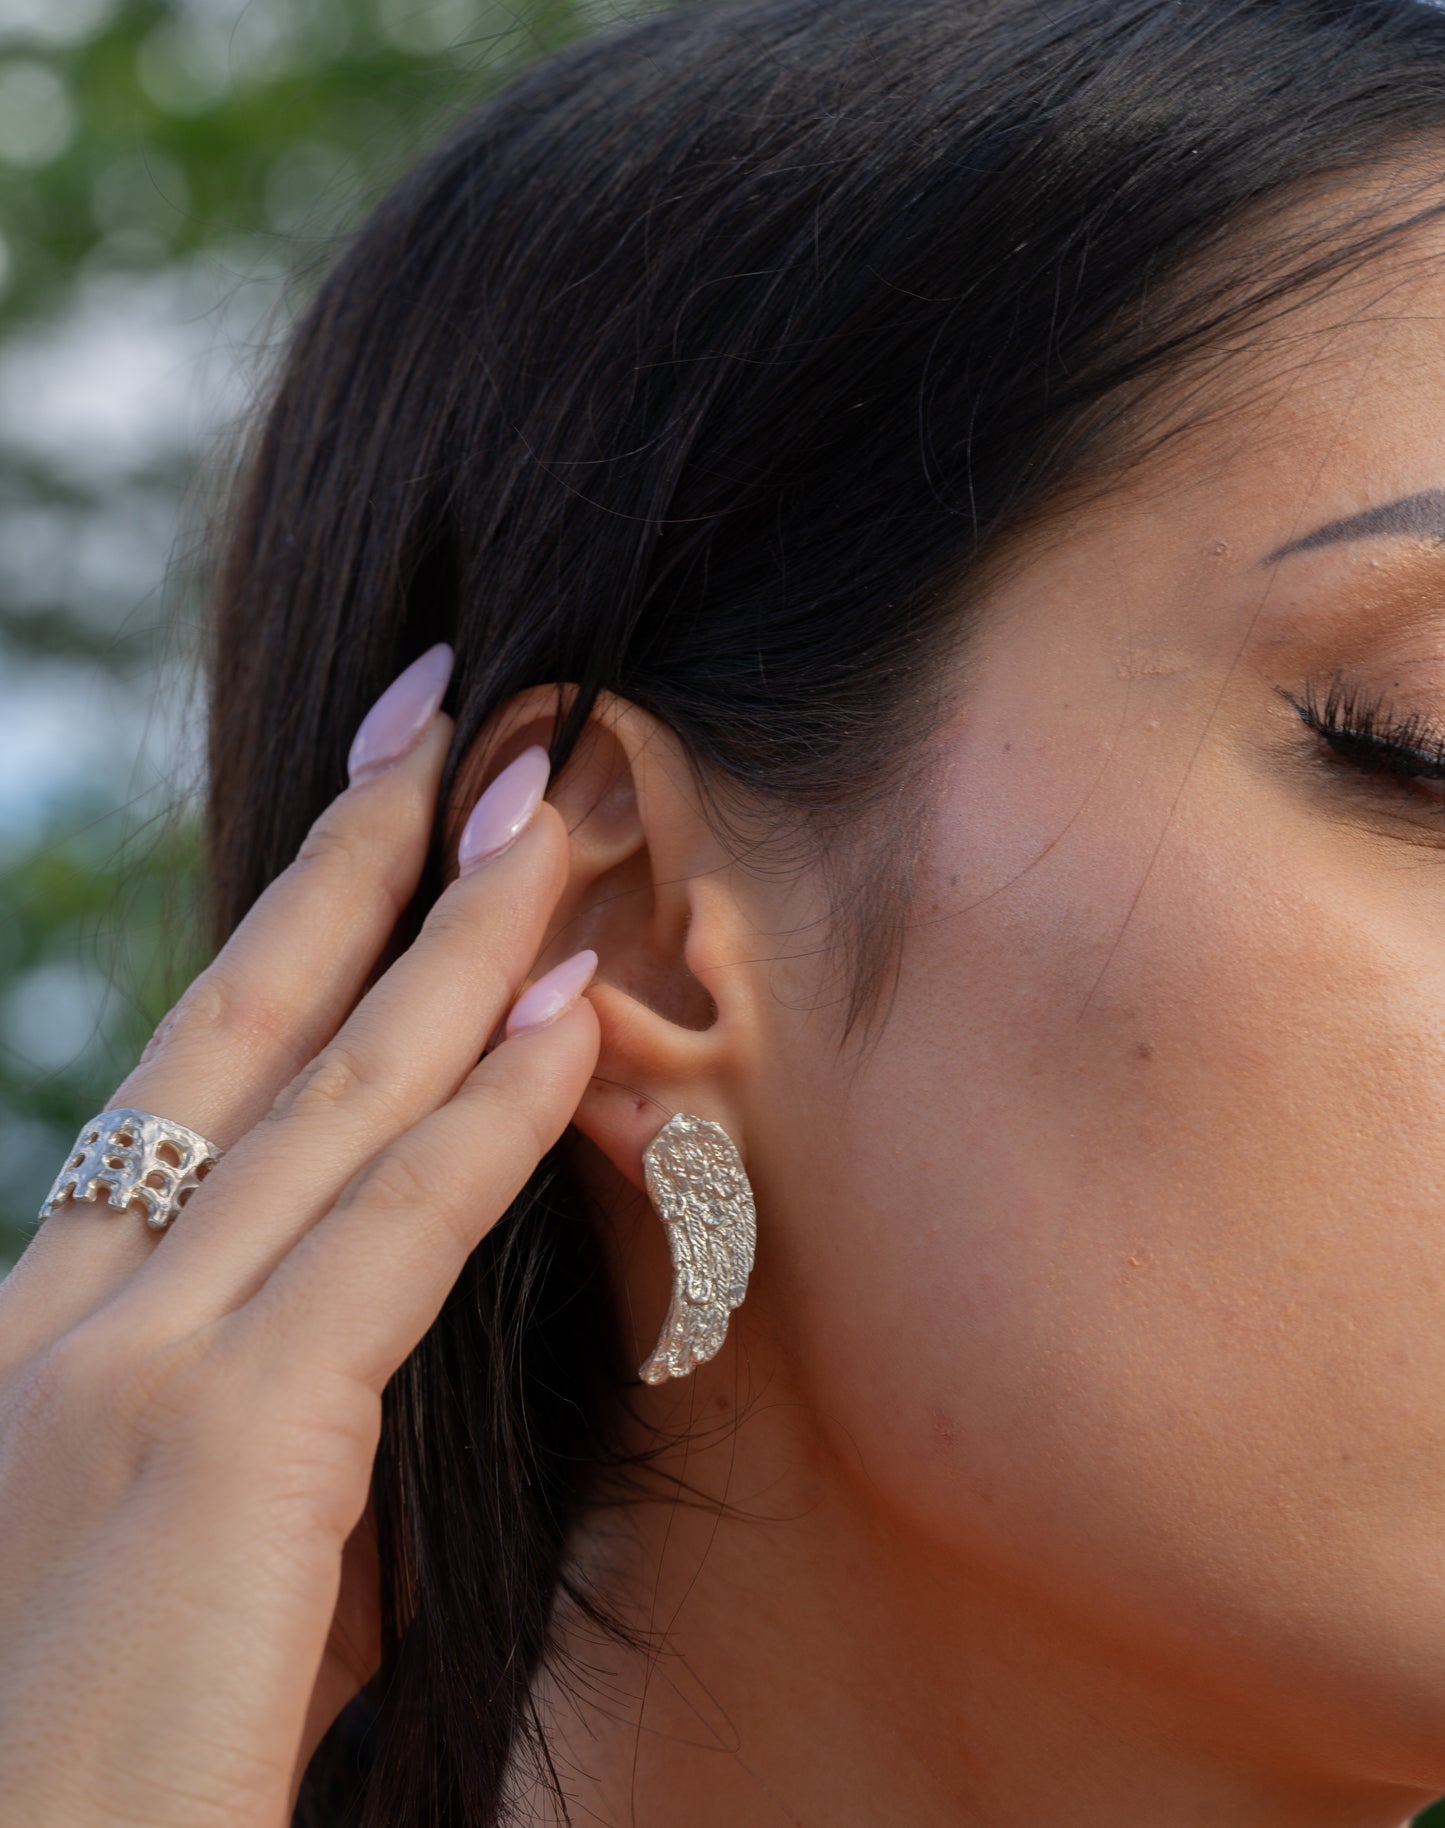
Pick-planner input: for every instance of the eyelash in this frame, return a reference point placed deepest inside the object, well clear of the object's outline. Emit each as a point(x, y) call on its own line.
point(1362, 731)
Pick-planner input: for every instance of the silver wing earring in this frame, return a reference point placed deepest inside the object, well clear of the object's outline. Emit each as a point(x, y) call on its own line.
point(696, 1180)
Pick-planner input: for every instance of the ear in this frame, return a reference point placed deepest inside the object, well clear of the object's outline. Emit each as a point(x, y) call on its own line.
point(663, 904)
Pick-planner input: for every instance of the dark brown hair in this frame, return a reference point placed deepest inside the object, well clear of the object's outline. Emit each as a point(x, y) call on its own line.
point(714, 362)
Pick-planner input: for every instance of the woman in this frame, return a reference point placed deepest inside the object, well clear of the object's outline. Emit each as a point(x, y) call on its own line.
point(948, 504)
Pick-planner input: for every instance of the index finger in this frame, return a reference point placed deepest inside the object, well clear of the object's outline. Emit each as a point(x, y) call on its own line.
point(285, 980)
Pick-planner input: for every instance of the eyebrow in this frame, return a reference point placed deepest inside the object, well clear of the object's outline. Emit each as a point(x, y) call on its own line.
point(1410, 514)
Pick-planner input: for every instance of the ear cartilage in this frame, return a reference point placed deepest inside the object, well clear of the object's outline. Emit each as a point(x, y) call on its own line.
point(696, 1180)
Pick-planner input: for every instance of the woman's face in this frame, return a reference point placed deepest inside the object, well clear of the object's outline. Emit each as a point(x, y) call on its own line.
point(1119, 1261)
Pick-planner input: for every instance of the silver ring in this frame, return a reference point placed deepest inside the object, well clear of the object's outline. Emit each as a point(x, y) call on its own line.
point(123, 1149)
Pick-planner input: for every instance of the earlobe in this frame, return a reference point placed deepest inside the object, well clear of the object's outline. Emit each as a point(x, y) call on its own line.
point(650, 890)
point(648, 1068)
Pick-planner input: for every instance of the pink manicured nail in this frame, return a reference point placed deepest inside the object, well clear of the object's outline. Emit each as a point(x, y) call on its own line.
point(545, 1000)
point(393, 724)
point(504, 809)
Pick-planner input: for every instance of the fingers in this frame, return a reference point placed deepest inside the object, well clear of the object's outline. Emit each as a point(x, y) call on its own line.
point(285, 980)
point(271, 999)
point(404, 1050)
point(362, 1287)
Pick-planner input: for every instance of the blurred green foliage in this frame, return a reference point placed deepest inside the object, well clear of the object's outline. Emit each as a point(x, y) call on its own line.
point(99, 933)
point(157, 160)
point(160, 129)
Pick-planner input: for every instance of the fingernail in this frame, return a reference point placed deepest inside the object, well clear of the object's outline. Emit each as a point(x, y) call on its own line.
point(393, 724)
point(545, 1000)
point(504, 809)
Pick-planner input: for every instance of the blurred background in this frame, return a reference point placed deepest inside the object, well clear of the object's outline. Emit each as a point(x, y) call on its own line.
point(175, 176)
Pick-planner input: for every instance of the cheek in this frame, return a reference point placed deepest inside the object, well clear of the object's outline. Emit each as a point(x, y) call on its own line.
point(1125, 1262)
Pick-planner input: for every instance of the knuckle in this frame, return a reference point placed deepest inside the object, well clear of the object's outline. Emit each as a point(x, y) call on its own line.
point(162, 1033)
point(334, 840)
point(453, 925)
point(44, 1403)
point(97, 1396)
point(399, 1188)
point(396, 1183)
point(345, 839)
point(216, 1012)
point(171, 1394)
point(333, 1078)
point(60, 1378)
point(206, 1008)
point(513, 1117)
point(449, 917)
point(162, 1388)
point(210, 1004)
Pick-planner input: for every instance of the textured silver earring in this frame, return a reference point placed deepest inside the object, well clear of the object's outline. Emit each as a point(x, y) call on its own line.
point(696, 1180)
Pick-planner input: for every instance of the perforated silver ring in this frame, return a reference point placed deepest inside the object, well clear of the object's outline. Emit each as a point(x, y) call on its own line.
point(139, 1157)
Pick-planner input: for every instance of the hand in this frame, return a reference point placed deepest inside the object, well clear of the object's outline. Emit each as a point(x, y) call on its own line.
point(189, 1419)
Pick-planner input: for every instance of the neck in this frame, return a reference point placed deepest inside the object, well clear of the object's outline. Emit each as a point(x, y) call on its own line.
point(809, 1661)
